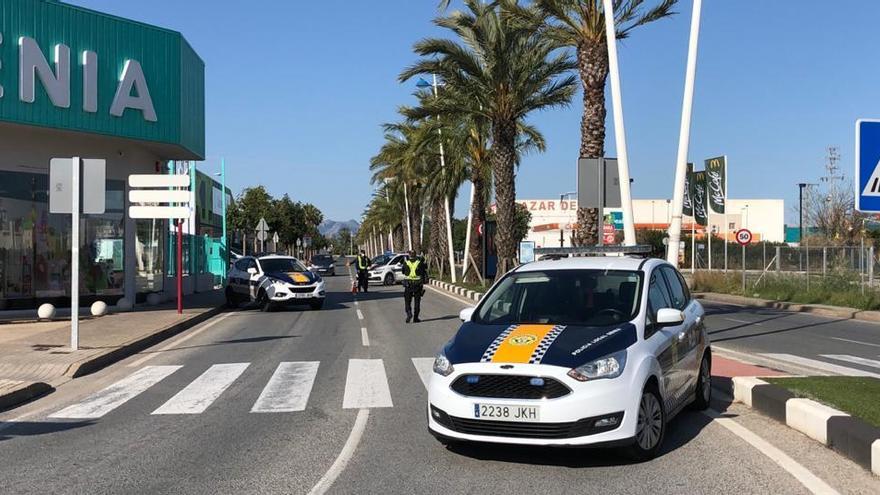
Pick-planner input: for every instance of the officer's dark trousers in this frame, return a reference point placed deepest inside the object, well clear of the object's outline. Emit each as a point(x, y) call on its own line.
point(363, 282)
point(412, 298)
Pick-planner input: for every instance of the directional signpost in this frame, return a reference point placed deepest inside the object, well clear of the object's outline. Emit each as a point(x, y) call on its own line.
point(262, 233)
point(867, 183)
point(155, 196)
point(275, 240)
point(72, 179)
point(744, 238)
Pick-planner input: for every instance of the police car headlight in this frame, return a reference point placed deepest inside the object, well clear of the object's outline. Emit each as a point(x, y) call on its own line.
point(610, 366)
point(442, 366)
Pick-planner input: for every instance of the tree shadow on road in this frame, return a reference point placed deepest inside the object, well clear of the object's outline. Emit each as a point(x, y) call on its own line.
point(32, 428)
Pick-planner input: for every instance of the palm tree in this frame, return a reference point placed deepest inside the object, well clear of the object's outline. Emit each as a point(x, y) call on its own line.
point(502, 70)
point(580, 24)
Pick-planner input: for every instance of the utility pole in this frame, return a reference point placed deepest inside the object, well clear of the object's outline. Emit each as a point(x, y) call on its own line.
point(801, 187)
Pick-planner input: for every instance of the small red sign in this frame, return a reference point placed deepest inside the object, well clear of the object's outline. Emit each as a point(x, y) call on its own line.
point(744, 237)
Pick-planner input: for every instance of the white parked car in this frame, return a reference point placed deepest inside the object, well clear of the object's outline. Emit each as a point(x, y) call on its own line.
point(571, 352)
point(387, 269)
point(273, 281)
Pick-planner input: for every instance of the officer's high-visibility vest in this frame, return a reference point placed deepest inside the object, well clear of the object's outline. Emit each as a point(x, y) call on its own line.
point(362, 262)
point(413, 269)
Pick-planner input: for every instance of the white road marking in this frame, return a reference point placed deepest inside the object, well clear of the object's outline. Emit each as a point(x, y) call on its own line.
point(820, 365)
point(345, 455)
point(355, 302)
point(871, 363)
point(104, 401)
point(204, 390)
point(424, 366)
point(743, 321)
point(151, 354)
point(360, 315)
point(856, 342)
point(289, 388)
point(810, 481)
point(365, 339)
point(366, 385)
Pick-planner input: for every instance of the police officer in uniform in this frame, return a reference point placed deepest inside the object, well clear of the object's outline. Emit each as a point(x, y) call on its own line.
point(415, 275)
point(363, 263)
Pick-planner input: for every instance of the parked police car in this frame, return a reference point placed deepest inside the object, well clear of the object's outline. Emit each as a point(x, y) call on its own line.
point(273, 281)
point(576, 351)
point(387, 269)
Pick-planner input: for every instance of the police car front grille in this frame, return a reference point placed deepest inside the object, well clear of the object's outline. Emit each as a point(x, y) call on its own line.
point(301, 290)
point(509, 387)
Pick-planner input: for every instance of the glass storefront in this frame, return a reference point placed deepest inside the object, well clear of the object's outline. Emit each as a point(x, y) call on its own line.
point(35, 245)
point(149, 251)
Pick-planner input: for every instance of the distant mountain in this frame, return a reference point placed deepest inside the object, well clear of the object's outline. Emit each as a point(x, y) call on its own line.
point(330, 228)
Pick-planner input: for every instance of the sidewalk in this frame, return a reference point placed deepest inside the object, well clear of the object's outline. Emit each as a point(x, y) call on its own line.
point(35, 356)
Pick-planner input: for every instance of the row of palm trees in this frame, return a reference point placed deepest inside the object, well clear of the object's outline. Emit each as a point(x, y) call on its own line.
point(504, 60)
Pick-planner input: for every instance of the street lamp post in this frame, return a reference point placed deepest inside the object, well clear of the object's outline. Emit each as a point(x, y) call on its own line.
point(801, 187)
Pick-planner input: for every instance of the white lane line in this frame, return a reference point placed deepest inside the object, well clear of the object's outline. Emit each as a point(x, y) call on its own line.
point(856, 342)
point(424, 367)
point(345, 455)
point(204, 390)
point(104, 401)
point(743, 321)
point(366, 385)
point(355, 302)
point(151, 354)
point(810, 481)
point(360, 315)
point(820, 365)
point(365, 339)
point(289, 388)
point(871, 363)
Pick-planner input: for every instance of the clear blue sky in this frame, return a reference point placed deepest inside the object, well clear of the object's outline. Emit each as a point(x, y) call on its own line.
point(297, 91)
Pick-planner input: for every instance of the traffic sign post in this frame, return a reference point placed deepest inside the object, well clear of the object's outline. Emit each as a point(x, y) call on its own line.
point(155, 196)
point(744, 238)
point(867, 169)
point(262, 233)
point(71, 178)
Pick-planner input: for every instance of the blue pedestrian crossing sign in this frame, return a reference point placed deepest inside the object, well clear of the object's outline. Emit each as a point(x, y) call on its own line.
point(867, 183)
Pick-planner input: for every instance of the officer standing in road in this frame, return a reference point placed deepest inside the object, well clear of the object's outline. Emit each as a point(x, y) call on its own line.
point(363, 263)
point(415, 275)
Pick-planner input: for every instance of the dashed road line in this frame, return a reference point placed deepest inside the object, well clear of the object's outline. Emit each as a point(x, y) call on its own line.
point(365, 339)
point(360, 315)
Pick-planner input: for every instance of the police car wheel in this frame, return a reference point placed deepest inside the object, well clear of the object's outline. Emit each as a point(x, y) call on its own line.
point(389, 279)
point(703, 392)
point(650, 427)
point(264, 303)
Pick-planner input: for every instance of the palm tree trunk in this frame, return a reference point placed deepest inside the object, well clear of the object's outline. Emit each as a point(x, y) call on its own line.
point(593, 68)
point(438, 236)
point(478, 216)
point(399, 238)
point(503, 159)
point(415, 219)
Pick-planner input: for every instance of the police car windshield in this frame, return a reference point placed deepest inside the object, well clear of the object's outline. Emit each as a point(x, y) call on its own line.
point(563, 297)
point(281, 265)
point(381, 259)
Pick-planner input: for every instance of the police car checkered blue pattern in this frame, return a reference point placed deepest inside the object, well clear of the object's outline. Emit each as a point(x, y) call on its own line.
point(490, 352)
point(545, 344)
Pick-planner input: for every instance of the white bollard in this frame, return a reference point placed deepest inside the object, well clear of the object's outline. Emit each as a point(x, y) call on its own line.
point(99, 308)
point(46, 311)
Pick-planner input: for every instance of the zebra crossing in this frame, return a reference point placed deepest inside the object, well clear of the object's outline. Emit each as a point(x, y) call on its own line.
point(829, 364)
point(287, 390)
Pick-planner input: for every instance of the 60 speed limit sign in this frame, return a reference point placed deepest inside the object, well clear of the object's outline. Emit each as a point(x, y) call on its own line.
point(744, 237)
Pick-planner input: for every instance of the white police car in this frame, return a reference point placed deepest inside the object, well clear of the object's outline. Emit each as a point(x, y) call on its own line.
point(387, 269)
point(273, 281)
point(572, 352)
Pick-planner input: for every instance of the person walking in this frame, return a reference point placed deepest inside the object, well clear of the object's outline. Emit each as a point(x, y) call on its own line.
point(362, 265)
point(415, 275)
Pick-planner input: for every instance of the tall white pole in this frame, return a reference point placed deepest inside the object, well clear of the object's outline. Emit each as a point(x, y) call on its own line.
point(629, 229)
point(408, 226)
point(74, 255)
point(446, 200)
point(684, 138)
point(467, 235)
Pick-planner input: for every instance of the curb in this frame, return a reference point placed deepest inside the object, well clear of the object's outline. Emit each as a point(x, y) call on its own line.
point(454, 289)
point(849, 436)
point(93, 364)
point(24, 394)
point(816, 309)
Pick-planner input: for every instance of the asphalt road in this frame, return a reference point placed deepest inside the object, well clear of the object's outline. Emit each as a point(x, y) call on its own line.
point(214, 410)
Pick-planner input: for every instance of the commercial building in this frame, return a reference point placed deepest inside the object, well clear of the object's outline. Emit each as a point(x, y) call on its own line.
point(75, 82)
point(764, 217)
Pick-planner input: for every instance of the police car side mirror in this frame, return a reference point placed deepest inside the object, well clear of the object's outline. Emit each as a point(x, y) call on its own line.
point(252, 270)
point(466, 314)
point(669, 317)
